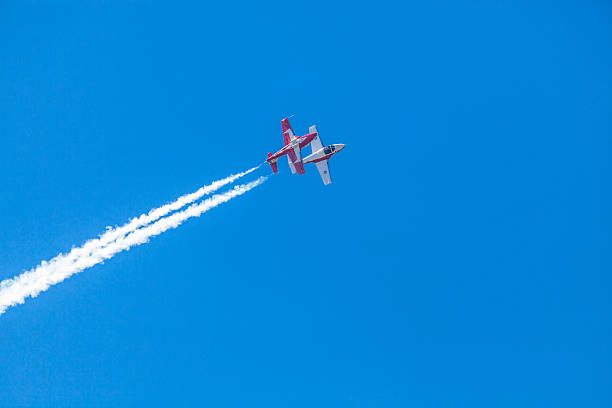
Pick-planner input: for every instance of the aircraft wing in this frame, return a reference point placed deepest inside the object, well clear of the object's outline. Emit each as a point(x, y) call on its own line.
point(288, 135)
point(291, 166)
point(323, 168)
point(316, 143)
point(295, 160)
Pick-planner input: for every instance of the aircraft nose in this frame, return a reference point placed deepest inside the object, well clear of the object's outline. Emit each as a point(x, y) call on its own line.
point(340, 146)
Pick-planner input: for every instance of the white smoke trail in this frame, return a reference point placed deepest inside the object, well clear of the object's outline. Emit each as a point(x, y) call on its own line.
point(113, 233)
point(31, 283)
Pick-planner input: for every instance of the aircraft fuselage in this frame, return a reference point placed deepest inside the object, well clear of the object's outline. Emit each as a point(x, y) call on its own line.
point(323, 153)
point(299, 142)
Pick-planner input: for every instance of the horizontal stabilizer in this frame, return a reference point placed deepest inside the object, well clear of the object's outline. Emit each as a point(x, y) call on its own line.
point(273, 164)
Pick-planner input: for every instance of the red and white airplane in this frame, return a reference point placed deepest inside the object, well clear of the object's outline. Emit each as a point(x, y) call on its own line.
point(292, 149)
point(320, 155)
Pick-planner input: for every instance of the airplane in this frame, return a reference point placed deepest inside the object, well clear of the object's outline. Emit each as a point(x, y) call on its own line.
point(321, 155)
point(292, 149)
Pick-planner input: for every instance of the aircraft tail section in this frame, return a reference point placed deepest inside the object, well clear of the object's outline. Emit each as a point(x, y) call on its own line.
point(273, 164)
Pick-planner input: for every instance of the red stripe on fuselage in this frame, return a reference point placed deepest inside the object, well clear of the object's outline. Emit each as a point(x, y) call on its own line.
point(280, 153)
point(303, 142)
point(326, 157)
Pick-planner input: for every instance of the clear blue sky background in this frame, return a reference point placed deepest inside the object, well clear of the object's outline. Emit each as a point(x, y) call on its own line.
point(461, 258)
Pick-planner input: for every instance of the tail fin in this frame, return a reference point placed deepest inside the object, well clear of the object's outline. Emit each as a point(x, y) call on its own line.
point(273, 164)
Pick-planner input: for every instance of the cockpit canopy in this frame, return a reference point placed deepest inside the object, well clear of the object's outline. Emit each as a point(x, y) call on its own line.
point(329, 149)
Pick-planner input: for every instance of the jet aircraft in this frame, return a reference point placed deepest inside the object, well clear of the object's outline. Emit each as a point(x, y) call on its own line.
point(292, 149)
point(321, 155)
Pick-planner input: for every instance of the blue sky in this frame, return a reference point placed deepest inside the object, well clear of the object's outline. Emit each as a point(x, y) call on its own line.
point(461, 258)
